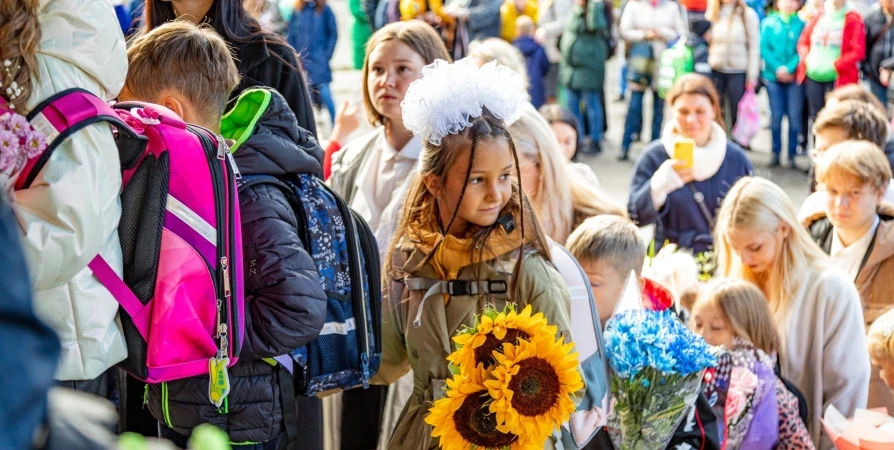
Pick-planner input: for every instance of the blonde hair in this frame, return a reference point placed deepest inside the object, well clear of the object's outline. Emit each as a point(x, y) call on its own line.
point(19, 40)
point(524, 26)
point(557, 197)
point(880, 337)
point(419, 36)
point(713, 11)
point(745, 309)
point(192, 60)
point(612, 239)
point(504, 53)
point(861, 159)
point(757, 205)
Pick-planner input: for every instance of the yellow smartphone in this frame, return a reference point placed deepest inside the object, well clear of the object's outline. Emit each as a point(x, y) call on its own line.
point(684, 150)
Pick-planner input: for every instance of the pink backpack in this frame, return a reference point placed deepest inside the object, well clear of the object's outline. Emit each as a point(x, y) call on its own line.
point(180, 236)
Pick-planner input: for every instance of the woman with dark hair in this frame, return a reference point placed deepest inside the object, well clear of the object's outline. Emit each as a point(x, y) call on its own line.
point(263, 58)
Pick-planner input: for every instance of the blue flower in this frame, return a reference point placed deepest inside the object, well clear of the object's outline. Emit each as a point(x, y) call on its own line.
point(638, 339)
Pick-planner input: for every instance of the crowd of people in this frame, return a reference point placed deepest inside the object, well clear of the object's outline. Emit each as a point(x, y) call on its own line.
point(468, 174)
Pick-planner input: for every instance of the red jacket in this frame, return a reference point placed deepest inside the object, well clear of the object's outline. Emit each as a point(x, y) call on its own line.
point(853, 49)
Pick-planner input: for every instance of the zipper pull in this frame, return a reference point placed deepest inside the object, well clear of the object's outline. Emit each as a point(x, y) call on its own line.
point(226, 276)
point(222, 148)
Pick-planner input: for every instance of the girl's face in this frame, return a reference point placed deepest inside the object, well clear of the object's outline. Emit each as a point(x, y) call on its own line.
point(788, 6)
point(488, 189)
point(694, 116)
point(758, 250)
point(393, 65)
point(567, 136)
point(710, 323)
point(530, 172)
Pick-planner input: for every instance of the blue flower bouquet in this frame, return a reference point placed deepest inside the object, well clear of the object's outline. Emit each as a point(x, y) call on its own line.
point(657, 367)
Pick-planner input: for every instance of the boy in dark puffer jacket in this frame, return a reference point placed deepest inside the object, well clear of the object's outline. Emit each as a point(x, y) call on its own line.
point(190, 70)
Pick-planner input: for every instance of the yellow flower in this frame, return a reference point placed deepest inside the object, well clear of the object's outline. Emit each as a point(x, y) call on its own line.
point(461, 420)
point(477, 345)
point(532, 387)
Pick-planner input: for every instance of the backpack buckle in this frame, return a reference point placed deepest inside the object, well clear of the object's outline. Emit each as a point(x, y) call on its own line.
point(497, 287)
point(461, 287)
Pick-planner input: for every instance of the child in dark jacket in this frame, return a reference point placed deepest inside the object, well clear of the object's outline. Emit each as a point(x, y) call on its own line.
point(285, 305)
point(536, 61)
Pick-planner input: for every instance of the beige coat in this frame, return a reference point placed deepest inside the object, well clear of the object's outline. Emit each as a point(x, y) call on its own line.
point(425, 349)
point(667, 19)
point(736, 43)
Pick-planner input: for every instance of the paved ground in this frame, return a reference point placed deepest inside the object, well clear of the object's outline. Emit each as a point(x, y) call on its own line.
point(614, 176)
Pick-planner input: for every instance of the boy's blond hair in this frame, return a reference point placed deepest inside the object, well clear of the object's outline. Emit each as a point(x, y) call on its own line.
point(860, 159)
point(880, 337)
point(860, 120)
point(612, 239)
point(193, 61)
point(745, 309)
point(524, 26)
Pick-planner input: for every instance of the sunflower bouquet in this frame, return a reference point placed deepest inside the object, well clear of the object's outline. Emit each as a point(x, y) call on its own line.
point(657, 366)
point(512, 386)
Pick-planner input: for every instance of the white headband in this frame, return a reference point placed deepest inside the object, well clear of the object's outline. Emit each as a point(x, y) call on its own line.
point(449, 96)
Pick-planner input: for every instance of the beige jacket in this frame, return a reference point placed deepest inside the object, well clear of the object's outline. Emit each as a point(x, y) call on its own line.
point(71, 211)
point(425, 349)
point(667, 19)
point(736, 43)
point(824, 347)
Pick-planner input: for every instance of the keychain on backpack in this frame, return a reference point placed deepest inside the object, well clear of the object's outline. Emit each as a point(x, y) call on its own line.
point(219, 377)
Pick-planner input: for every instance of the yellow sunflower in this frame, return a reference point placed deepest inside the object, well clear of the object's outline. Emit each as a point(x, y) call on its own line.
point(532, 387)
point(461, 420)
point(476, 345)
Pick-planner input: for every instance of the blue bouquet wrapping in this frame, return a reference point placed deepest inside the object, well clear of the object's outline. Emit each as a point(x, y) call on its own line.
point(657, 366)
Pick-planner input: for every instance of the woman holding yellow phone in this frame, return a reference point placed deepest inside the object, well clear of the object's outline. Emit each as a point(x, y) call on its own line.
point(680, 180)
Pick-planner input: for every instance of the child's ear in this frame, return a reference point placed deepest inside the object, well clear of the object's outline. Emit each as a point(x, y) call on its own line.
point(174, 105)
point(785, 230)
point(433, 185)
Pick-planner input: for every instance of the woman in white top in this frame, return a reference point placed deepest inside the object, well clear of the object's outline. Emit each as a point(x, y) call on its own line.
point(815, 307)
point(369, 173)
point(735, 51)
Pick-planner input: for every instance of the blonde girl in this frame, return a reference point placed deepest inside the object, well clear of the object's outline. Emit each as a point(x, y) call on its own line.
point(815, 307)
point(727, 309)
point(466, 223)
point(561, 201)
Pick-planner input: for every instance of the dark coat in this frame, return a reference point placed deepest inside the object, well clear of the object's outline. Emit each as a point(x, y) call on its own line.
point(313, 35)
point(30, 347)
point(275, 64)
point(680, 220)
point(537, 64)
point(585, 48)
point(883, 46)
point(285, 305)
point(484, 19)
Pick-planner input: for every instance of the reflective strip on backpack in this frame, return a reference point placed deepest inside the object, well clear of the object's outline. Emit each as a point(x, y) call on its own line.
point(338, 327)
point(193, 220)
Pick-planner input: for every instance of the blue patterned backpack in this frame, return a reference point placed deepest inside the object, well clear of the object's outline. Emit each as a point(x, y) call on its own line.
point(347, 352)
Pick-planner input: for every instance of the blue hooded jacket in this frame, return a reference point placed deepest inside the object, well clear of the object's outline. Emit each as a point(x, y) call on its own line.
point(537, 65)
point(313, 35)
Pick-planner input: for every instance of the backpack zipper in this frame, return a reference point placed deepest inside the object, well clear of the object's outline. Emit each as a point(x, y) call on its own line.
point(371, 257)
point(357, 292)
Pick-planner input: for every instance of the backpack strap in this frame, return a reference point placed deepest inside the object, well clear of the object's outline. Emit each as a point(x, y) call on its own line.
point(125, 297)
point(498, 287)
point(64, 114)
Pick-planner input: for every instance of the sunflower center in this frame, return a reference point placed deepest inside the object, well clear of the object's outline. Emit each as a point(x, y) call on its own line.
point(479, 427)
point(484, 354)
point(536, 387)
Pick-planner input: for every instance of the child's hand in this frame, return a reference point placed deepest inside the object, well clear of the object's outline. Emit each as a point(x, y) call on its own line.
point(347, 120)
point(884, 76)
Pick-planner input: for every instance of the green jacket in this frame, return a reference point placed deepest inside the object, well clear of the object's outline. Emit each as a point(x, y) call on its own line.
point(426, 348)
point(779, 44)
point(584, 48)
point(360, 32)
